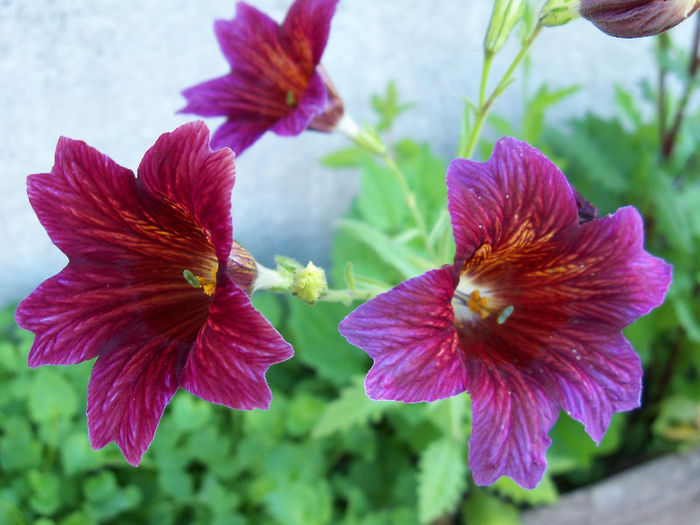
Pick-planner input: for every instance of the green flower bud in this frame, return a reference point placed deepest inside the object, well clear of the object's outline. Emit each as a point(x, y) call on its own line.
point(310, 283)
point(636, 18)
point(559, 12)
point(506, 14)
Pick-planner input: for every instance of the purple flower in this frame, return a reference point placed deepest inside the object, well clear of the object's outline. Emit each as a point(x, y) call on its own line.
point(527, 319)
point(275, 80)
point(154, 287)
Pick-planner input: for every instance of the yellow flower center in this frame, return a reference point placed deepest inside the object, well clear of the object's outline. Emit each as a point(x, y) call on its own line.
point(207, 285)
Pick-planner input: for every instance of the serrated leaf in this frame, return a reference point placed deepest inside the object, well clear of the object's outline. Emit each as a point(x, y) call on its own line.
point(352, 407)
point(441, 479)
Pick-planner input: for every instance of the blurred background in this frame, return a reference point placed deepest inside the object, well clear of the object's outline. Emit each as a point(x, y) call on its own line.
point(110, 73)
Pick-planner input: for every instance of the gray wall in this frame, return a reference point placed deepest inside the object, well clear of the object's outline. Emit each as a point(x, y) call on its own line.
point(109, 72)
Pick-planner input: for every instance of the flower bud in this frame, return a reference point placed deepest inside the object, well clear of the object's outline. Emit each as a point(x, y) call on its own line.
point(559, 12)
point(310, 283)
point(506, 14)
point(636, 18)
point(241, 268)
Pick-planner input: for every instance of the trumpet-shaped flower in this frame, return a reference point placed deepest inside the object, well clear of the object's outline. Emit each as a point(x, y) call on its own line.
point(155, 287)
point(528, 319)
point(275, 81)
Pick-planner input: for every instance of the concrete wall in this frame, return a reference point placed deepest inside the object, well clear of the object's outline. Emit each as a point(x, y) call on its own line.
point(110, 71)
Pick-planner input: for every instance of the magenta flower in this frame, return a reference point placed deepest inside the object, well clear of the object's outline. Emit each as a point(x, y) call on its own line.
point(154, 286)
point(275, 80)
point(527, 319)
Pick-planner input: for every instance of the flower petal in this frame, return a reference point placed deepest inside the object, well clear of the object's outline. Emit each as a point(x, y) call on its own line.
point(256, 49)
point(511, 415)
point(239, 135)
point(182, 170)
point(514, 196)
point(233, 352)
point(130, 385)
point(307, 25)
point(77, 313)
point(312, 103)
point(409, 332)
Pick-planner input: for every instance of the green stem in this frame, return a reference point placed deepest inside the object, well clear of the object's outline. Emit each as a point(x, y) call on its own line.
point(410, 200)
point(347, 296)
point(669, 139)
point(485, 105)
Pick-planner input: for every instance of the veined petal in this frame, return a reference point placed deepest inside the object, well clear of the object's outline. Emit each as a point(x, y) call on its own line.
point(253, 44)
point(511, 415)
point(312, 103)
point(307, 25)
point(77, 313)
point(409, 332)
point(96, 210)
point(181, 170)
point(517, 197)
point(239, 134)
point(130, 385)
point(233, 352)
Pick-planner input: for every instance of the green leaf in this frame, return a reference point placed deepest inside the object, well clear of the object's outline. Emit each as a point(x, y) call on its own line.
point(106, 499)
point(301, 504)
point(544, 492)
point(19, 449)
point(425, 174)
point(303, 413)
point(345, 158)
point(397, 255)
point(190, 413)
point(485, 509)
point(270, 306)
point(573, 449)
point(77, 455)
point(45, 496)
point(441, 479)
point(534, 116)
point(381, 201)
point(51, 396)
point(352, 407)
point(388, 106)
point(317, 343)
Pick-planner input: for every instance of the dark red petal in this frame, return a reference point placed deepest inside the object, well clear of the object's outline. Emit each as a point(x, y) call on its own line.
point(131, 383)
point(312, 103)
point(95, 210)
point(307, 25)
point(181, 170)
point(511, 415)
point(239, 134)
point(80, 311)
point(409, 332)
point(514, 196)
point(233, 353)
point(255, 47)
